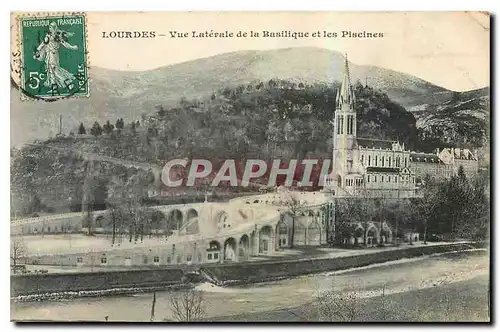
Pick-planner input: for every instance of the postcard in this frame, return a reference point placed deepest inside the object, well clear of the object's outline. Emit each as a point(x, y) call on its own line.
point(250, 166)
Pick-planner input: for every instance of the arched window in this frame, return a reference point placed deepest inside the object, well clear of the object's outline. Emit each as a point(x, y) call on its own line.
point(350, 124)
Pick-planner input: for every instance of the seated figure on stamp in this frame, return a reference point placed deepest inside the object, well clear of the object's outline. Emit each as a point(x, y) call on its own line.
point(48, 50)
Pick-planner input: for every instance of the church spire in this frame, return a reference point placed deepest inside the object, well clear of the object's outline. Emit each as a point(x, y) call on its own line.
point(345, 94)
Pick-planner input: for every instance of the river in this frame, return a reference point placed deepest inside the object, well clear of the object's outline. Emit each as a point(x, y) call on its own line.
point(392, 277)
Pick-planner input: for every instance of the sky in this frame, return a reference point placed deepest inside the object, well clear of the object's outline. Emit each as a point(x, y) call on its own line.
point(450, 49)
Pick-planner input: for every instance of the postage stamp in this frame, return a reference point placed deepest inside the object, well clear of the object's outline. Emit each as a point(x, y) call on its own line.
point(53, 56)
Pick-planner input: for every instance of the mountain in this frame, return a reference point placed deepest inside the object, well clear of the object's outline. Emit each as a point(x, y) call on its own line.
point(128, 95)
point(463, 120)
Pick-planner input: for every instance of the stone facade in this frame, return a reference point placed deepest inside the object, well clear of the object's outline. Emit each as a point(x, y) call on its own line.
point(382, 168)
point(215, 232)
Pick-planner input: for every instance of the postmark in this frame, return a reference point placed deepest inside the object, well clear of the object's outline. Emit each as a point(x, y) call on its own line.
point(52, 56)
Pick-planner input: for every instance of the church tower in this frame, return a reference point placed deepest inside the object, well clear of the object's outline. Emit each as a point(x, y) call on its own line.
point(344, 131)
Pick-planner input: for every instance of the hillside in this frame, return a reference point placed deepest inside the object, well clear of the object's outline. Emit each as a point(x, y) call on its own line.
point(274, 120)
point(463, 120)
point(128, 95)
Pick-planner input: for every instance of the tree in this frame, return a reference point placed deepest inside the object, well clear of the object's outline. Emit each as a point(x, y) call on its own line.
point(126, 202)
point(133, 126)
point(138, 186)
point(467, 204)
point(17, 251)
point(96, 129)
point(81, 129)
point(426, 204)
point(158, 220)
point(352, 211)
point(456, 192)
point(366, 207)
point(108, 127)
point(25, 166)
point(478, 208)
point(121, 208)
point(347, 211)
point(187, 306)
point(295, 207)
point(94, 191)
point(119, 124)
point(404, 218)
point(116, 215)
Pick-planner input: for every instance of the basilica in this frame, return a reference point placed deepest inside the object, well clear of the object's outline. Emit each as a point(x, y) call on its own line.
point(365, 167)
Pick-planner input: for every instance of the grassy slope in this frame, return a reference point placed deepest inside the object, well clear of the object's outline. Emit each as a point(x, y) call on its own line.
point(465, 301)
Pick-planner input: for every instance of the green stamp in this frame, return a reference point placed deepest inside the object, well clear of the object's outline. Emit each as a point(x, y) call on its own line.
point(54, 56)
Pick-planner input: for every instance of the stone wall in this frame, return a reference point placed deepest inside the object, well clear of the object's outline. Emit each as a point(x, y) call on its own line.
point(51, 283)
point(273, 270)
point(234, 273)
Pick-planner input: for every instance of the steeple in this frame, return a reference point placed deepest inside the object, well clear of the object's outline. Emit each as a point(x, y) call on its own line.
point(344, 158)
point(345, 94)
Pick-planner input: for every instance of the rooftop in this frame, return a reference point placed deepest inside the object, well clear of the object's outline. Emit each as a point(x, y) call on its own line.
point(424, 157)
point(382, 170)
point(375, 143)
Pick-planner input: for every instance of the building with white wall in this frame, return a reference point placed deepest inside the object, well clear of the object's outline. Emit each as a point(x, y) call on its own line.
point(365, 167)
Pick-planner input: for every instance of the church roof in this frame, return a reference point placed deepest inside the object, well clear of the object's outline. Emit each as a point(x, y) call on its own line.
point(374, 143)
point(424, 157)
point(382, 170)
